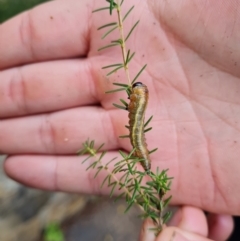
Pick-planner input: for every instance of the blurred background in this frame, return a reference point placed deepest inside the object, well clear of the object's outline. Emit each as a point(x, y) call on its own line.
point(34, 215)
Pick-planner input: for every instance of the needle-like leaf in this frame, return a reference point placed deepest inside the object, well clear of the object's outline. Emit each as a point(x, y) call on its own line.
point(150, 152)
point(109, 31)
point(124, 102)
point(148, 121)
point(125, 16)
point(112, 65)
point(107, 46)
point(119, 106)
point(130, 58)
point(134, 26)
point(100, 9)
point(116, 90)
point(107, 25)
point(119, 84)
point(146, 130)
point(124, 136)
point(115, 70)
point(139, 74)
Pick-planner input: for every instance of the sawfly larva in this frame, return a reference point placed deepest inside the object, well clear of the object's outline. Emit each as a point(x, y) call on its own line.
point(137, 107)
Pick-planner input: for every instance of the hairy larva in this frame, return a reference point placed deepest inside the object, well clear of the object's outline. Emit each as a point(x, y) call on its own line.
point(137, 106)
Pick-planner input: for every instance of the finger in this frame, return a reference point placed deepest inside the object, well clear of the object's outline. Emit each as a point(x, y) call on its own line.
point(220, 226)
point(45, 87)
point(61, 132)
point(57, 29)
point(190, 219)
point(147, 234)
point(187, 218)
point(176, 234)
point(168, 234)
point(59, 173)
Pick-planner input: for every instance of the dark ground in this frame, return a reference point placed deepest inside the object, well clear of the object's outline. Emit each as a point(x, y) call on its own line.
point(104, 220)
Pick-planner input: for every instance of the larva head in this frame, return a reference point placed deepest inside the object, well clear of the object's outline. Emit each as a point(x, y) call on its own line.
point(139, 88)
point(137, 84)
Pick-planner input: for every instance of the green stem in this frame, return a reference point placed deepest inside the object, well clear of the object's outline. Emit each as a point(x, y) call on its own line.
point(123, 45)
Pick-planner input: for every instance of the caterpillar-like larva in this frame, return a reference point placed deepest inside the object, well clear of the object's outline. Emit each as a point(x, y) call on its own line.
point(137, 108)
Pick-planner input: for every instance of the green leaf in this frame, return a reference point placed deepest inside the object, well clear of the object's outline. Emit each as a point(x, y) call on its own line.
point(101, 156)
point(146, 130)
point(136, 188)
point(128, 52)
point(114, 185)
point(150, 152)
point(119, 106)
point(169, 184)
point(118, 163)
point(130, 58)
point(139, 73)
point(82, 151)
point(105, 179)
point(153, 215)
point(166, 216)
point(108, 32)
point(123, 155)
point(117, 168)
point(140, 178)
point(124, 136)
point(148, 121)
point(116, 90)
point(53, 232)
point(134, 26)
point(93, 165)
point(118, 41)
point(99, 169)
point(115, 70)
point(91, 145)
point(124, 102)
point(129, 92)
point(99, 148)
point(86, 159)
point(123, 176)
point(131, 153)
point(107, 46)
point(128, 207)
point(100, 9)
point(122, 85)
point(111, 161)
point(125, 16)
point(112, 5)
point(109, 179)
point(166, 202)
point(107, 25)
point(127, 179)
point(112, 65)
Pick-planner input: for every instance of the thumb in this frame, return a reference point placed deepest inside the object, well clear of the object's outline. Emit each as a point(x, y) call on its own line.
point(176, 234)
point(190, 224)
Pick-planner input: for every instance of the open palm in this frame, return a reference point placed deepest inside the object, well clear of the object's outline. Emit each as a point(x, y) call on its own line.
point(52, 95)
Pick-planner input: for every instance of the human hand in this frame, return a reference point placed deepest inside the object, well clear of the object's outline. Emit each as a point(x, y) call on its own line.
point(191, 224)
point(52, 95)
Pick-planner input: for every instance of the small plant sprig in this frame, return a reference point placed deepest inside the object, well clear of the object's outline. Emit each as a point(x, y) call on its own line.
point(144, 188)
point(148, 195)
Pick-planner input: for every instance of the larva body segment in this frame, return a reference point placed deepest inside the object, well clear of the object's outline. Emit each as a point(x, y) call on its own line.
point(136, 108)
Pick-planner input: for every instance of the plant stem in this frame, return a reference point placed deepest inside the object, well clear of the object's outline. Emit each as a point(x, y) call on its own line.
point(123, 45)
